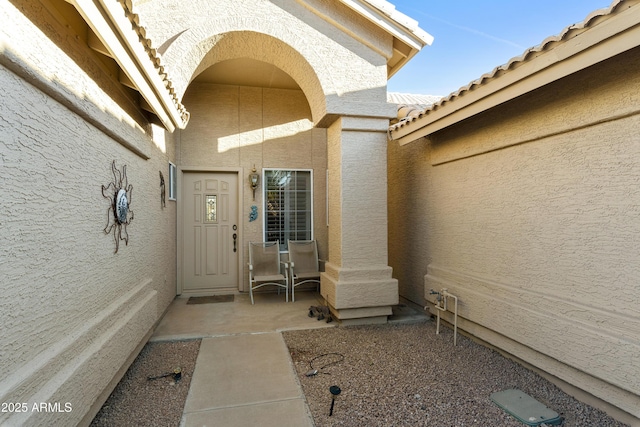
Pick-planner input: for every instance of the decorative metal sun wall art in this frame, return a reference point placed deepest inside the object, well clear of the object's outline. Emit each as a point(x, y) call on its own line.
point(119, 215)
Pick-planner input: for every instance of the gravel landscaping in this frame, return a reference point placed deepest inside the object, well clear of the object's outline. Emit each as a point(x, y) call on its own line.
point(406, 375)
point(388, 375)
point(139, 401)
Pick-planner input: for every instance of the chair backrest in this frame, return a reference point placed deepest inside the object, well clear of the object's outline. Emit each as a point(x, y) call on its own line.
point(304, 255)
point(265, 258)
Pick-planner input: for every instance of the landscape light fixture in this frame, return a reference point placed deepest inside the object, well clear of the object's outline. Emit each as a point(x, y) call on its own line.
point(334, 390)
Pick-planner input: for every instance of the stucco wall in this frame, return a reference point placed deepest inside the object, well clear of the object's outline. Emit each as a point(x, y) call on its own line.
point(300, 38)
point(339, 59)
point(539, 235)
point(72, 311)
point(239, 127)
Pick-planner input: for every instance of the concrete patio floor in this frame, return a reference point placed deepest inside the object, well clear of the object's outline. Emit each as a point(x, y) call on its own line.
point(270, 313)
point(244, 375)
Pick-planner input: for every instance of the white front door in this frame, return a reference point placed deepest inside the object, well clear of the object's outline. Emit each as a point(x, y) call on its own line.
point(210, 238)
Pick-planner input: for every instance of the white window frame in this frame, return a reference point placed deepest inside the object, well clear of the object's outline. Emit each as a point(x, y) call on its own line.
point(264, 201)
point(173, 177)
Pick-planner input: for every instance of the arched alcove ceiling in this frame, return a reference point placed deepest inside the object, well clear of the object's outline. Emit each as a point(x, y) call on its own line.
point(258, 47)
point(247, 72)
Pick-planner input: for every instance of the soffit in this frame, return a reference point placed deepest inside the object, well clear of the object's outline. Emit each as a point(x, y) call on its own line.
point(121, 37)
point(576, 47)
point(247, 72)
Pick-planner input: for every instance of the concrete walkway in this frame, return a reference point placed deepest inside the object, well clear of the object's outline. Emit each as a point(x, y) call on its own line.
point(245, 380)
point(244, 375)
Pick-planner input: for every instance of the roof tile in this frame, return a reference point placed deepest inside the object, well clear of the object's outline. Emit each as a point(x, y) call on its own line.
point(547, 44)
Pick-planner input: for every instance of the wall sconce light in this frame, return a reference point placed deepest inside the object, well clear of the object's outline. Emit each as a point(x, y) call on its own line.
point(254, 178)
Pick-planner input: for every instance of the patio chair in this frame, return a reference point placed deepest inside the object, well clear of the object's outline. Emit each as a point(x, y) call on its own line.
point(265, 267)
point(303, 264)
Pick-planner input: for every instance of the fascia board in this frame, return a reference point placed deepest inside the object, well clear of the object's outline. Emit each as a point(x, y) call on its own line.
point(415, 38)
point(109, 22)
point(605, 40)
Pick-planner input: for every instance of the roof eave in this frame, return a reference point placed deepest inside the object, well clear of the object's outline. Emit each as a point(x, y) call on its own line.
point(110, 21)
point(408, 38)
point(612, 36)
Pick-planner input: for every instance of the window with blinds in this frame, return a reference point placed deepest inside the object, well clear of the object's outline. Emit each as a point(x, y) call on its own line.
point(288, 206)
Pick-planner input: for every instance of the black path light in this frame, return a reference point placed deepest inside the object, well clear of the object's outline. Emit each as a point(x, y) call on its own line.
point(334, 390)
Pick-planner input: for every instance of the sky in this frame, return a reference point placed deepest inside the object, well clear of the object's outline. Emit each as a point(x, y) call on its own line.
point(472, 37)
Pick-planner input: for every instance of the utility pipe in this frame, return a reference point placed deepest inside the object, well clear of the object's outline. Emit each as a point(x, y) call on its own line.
point(441, 305)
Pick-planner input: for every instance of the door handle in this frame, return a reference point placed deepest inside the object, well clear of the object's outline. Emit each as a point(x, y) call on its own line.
point(235, 239)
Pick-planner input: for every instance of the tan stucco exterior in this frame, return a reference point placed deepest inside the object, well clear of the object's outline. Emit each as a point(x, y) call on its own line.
point(528, 212)
point(240, 127)
point(269, 32)
point(72, 311)
point(349, 99)
point(518, 197)
point(89, 83)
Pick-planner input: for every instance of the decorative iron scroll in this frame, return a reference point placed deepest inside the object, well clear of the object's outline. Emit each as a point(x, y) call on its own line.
point(163, 203)
point(118, 192)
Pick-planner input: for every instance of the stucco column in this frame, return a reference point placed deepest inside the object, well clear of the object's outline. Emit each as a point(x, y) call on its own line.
point(357, 282)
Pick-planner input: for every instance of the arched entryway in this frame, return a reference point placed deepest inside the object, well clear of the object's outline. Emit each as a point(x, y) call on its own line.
point(290, 93)
point(246, 114)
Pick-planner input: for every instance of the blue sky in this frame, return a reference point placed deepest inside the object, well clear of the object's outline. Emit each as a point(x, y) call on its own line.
point(472, 37)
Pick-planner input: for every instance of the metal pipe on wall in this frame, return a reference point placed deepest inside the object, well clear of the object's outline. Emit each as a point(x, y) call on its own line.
point(441, 305)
